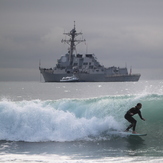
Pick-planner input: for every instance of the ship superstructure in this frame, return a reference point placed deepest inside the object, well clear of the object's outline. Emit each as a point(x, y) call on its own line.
point(85, 67)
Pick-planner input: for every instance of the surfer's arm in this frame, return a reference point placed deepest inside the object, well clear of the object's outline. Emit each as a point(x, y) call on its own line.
point(141, 116)
point(130, 112)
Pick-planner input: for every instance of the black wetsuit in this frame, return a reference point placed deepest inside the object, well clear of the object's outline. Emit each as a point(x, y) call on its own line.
point(129, 117)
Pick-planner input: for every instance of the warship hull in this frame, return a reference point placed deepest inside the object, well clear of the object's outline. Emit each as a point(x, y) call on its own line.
point(86, 67)
point(51, 77)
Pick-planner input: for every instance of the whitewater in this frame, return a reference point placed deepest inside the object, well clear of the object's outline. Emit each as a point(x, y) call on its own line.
point(79, 122)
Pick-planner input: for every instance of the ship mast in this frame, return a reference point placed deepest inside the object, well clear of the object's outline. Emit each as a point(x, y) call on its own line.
point(72, 42)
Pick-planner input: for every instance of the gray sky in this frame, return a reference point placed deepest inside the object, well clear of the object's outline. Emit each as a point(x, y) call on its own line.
point(118, 32)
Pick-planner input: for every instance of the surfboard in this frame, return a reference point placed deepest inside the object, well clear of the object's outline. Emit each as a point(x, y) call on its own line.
point(130, 133)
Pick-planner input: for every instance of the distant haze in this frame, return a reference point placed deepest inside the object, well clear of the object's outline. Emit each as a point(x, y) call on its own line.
point(119, 32)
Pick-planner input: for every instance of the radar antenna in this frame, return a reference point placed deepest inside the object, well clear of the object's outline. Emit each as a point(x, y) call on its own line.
point(72, 42)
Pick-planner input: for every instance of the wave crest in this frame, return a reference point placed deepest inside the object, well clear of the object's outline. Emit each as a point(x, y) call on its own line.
point(75, 119)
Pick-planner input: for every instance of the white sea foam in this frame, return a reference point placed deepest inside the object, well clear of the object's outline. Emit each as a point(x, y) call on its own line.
point(69, 119)
point(52, 120)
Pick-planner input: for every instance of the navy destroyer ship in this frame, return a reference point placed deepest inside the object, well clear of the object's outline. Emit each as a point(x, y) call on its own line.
point(84, 67)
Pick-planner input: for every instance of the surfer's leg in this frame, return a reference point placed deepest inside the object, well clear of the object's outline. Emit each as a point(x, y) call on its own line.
point(129, 118)
point(132, 121)
point(134, 124)
point(131, 125)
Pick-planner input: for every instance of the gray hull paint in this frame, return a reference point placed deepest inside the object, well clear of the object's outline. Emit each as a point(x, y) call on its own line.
point(50, 77)
point(85, 67)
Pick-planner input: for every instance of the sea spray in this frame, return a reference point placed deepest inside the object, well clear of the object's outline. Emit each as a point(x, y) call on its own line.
point(76, 119)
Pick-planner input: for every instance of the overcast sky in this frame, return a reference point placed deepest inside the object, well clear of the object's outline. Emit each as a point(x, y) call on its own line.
point(118, 32)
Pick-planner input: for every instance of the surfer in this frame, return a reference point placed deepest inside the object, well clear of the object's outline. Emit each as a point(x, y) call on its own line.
point(130, 113)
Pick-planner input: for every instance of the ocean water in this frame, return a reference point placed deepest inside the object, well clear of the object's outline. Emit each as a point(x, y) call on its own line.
point(79, 122)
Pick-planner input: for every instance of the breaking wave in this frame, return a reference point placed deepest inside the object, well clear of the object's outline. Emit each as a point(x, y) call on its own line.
point(77, 119)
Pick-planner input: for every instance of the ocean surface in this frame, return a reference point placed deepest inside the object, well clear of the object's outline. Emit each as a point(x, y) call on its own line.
point(79, 122)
